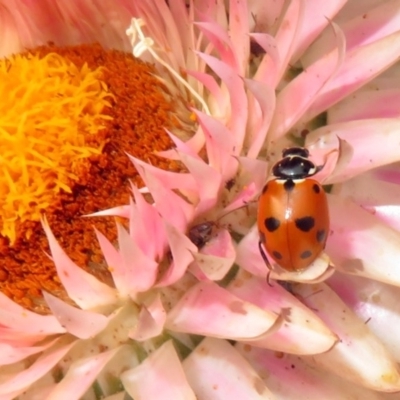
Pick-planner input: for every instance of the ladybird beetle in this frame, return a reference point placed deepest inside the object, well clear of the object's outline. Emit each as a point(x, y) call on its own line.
point(293, 216)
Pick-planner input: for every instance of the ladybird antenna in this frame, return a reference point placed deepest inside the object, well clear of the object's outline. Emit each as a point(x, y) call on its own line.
point(246, 204)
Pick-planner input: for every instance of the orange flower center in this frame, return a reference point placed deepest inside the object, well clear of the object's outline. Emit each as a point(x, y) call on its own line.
point(70, 117)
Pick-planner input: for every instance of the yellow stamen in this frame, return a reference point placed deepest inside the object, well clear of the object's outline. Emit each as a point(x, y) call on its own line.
point(53, 110)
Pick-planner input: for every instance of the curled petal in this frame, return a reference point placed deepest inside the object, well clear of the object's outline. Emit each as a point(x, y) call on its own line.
point(151, 321)
point(159, 376)
point(276, 369)
point(249, 258)
point(209, 310)
point(315, 18)
point(368, 26)
point(220, 145)
point(17, 318)
point(81, 323)
point(139, 271)
point(215, 259)
point(238, 31)
point(293, 101)
point(264, 98)
point(208, 182)
point(359, 356)
point(83, 288)
point(366, 104)
point(172, 207)
point(82, 373)
point(19, 381)
point(382, 202)
point(120, 211)
point(146, 227)
point(12, 354)
point(374, 142)
point(219, 37)
point(360, 244)
point(285, 37)
point(301, 333)
point(182, 250)
point(359, 67)
point(238, 112)
point(375, 303)
point(215, 370)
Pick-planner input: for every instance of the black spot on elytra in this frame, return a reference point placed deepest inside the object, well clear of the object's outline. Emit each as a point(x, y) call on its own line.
point(321, 234)
point(289, 185)
point(305, 254)
point(265, 188)
point(316, 188)
point(305, 224)
point(277, 255)
point(272, 224)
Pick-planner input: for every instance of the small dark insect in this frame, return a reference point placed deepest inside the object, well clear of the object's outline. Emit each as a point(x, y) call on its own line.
point(201, 233)
point(229, 184)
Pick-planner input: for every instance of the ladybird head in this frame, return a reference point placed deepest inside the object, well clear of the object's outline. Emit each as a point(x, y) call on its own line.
point(294, 164)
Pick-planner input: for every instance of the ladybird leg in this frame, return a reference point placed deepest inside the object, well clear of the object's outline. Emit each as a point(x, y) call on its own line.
point(267, 263)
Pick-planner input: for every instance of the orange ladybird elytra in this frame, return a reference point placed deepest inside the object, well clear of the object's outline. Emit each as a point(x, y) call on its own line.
point(293, 215)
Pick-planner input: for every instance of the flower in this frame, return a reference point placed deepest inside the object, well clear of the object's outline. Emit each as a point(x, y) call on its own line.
point(179, 320)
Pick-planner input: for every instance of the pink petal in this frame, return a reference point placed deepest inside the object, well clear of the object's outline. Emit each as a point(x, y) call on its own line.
point(218, 36)
point(359, 356)
point(13, 354)
point(238, 112)
point(181, 249)
point(373, 142)
point(170, 205)
point(301, 332)
point(316, 16)
point(368, 25)
point(375, 303)
point(285, 37)
point(243, 198)
point(208, 181)
point(48, 359)
point(360, 66)
point(81, 375)
point(360, 244)
point(209, 310)
point(9, 42)
point(215, 370)
point(220, 143)
point(114, 264)
point(140, 271)
point(120, 211)
point(382, 202)
point(295, 99)
point(215, 259)
point(305, 382)
point(151, 321)
point(81, 323)
point(217, 98)
point(159, 376)
point(17, 318)
point(170, 180)
point(264, 98)
point(83, 288)
point(238, 32)
point(147, 227)
point(269, 68)
point(366, 104)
